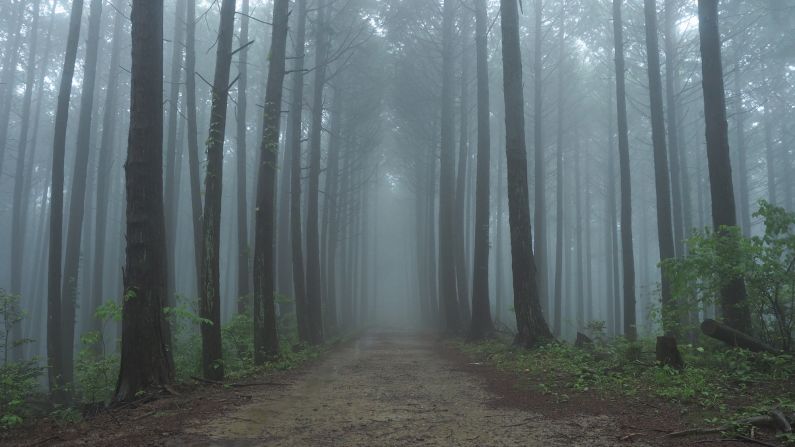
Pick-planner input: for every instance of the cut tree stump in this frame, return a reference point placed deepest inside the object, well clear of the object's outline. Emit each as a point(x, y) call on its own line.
point(668, 353)
point(733, 337)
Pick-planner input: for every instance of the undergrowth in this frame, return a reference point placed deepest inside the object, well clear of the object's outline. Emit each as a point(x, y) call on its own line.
point(721, 386)
point(22, 397)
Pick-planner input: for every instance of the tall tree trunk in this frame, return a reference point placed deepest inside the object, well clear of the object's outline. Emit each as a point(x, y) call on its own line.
point(172, 188)
point(447, 281)
point(733, 294)
point(661, 173)
point(559, 217)
point(145, 357)
point(243, 266)
point(770, 156)
point(294, 146)
point(744, 210)
point(74, 235)
point(331, 213)
point(672, 115)
point(7, 81)
point(193, 137)
point(627, 252)
point(481, 308)
point(19, 213)
point(210, 293)
point(540, 160)
point(579, 259)
point(313, 285)
point(530, 324)
point(106, 150)
point(266, 341)
point(57, 374)
point(461, 217)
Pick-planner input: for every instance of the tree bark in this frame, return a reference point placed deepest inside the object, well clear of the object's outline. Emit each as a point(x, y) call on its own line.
point(313, 285)
point(461, 218)
point(559, 216)
point(145, 357)
point(171, 186)
point(661, 173)
point(481, 309)
point(19, 213)
point(106, 150)
point(74, 235)
point(54, 316)
point(266, 341)
point(447, 282)
point(294, 145)
point(627, 252)
point(243, 265)
point(531, 327)
point(193, 138)
point(733, 294)
point(540, 160)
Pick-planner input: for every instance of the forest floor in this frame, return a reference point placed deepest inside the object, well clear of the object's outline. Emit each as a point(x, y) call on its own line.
point(384, 388)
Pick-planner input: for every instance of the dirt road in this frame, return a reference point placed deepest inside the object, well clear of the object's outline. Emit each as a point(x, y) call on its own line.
point(390, 389)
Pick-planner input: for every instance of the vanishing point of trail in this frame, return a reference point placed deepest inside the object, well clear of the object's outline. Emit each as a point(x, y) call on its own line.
point(390, 388)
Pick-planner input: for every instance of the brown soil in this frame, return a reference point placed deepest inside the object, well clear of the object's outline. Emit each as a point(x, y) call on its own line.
point(386, 388)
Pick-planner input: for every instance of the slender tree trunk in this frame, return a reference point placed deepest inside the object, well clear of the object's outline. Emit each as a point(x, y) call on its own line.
point(540, 160)
point(74, 235)
point(770, 158)
point(145, 356)
point(733, 294)
point(266, 341)
point(672, 115)
point(7, 77)
point(294, 145)
point(627, 252)
point(499, 265)
point(193, 138)
point(57, 374)
point(172, 188)
point(481, 308)
point(243, 265)
point(744, 210)
point(447, 282)
point(210, 293)
point(106, 150)
point(19, 213)
point(579, 259)
point(559, 216)
point(530, 324)
point(661, 173)
point(461, 178)
point(313, 286)
point(331, 213)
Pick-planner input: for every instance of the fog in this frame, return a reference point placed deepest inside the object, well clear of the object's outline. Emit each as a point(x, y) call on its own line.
point(384, 110)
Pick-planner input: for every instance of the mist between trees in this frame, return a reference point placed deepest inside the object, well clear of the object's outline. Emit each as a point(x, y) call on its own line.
point(191, 186)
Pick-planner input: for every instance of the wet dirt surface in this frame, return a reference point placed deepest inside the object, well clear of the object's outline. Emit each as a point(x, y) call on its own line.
point(390, 388)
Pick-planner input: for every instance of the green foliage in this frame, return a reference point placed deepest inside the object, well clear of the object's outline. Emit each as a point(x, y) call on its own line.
point(19, 383)
point(766, 263)
point(713, 377)
point(19, 380)
point(95, 371)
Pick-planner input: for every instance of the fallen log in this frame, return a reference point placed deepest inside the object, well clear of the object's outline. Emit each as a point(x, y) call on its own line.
point(733, 337)
point(667, 352)
point(775, 420)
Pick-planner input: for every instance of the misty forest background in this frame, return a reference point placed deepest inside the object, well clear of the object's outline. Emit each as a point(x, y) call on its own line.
point(194, 187)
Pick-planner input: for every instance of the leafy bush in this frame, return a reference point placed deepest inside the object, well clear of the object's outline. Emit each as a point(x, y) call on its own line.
point(766, 263)
point(19, 380)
